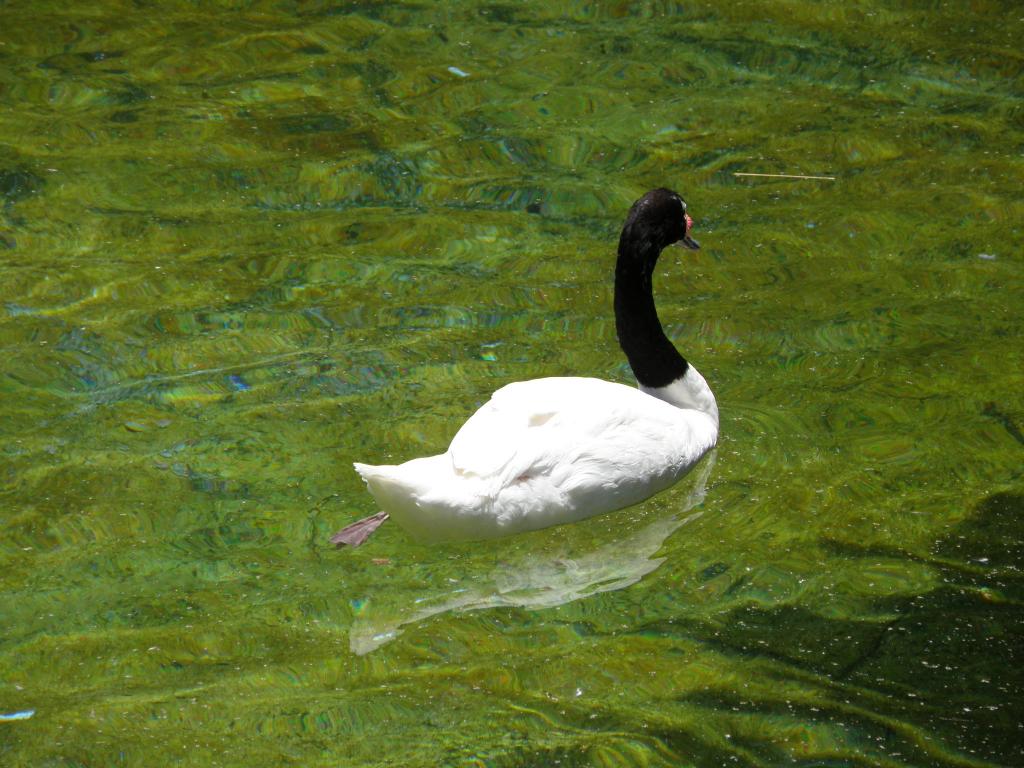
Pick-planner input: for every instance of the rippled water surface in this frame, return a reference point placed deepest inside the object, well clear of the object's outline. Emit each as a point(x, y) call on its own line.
point(243, 244)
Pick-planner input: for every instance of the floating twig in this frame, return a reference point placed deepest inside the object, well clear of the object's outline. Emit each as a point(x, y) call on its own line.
point(786, 176)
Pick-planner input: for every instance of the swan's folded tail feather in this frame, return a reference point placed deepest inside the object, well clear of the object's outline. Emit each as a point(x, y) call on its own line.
point(372, 471)
point(393, 485)
point(399, 488)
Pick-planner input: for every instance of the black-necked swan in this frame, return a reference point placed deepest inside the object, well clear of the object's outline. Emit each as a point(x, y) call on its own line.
point(558, 450)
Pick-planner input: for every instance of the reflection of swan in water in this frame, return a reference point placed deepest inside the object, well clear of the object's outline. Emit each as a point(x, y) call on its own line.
point(533, 580)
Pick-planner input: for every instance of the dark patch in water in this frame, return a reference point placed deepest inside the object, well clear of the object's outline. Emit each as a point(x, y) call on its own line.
point(92, 57)
point(314, 124)
point(993, 411)
point(124, 116)
point(992, 537)
point(715, 569)
point(17, 184)
point(131, 94)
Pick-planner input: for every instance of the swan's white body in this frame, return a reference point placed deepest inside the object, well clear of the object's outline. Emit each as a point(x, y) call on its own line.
point(550, 451)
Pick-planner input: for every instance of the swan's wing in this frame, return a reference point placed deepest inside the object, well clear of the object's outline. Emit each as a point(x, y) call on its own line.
point(570, 433)
point(512, 420)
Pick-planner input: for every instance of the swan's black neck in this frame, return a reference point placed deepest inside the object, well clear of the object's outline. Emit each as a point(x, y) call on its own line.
point(655, 362)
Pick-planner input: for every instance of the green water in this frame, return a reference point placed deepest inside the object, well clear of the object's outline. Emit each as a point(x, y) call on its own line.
point(243, 244)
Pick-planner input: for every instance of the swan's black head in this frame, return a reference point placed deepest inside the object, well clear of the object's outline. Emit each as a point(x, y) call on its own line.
point(659, 219)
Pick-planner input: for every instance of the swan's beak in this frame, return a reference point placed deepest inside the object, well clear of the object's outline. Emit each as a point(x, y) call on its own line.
point(688, 241)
